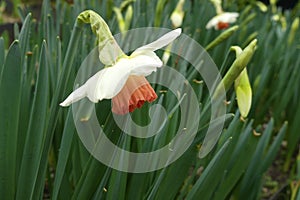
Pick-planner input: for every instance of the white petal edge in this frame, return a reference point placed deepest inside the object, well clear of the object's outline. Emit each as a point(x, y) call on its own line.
point(113, 80)
point(86, 90)
point(212, 22)
point(145, 63)
point(160, 42)
point(78, 94)
point(229, 17)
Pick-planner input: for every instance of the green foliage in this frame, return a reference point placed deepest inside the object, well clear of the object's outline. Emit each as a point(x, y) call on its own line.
point(41, 154)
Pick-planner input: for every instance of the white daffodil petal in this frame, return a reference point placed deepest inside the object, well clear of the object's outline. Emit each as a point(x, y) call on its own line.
point(86, 90)
point(145, 63)
point(161, 42)
point(212, 23)
point(78, 94)
point(92, 83)
point(114, 78)
point(229, 17)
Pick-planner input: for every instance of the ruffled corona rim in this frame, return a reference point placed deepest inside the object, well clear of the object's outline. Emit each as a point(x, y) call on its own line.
point(133, 95)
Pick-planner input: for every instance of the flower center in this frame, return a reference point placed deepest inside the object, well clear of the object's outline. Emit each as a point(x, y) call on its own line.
point(134, 94)
point(222, 25)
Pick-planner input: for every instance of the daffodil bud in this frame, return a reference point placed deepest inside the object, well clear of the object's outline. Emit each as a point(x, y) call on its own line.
point(218, 6)
point(248, 19)
point(109, 49)
point(178, 14)
point(294, 28)
point(273, 5)
point(124, 24)
point(243, 88)
point(237, 50)
point(261, 6)
point(242, 60)
point(239, 64)
point(251, 37)
point(283, 23)
point(273, 2)
point(120, 19)
point(167, 54)
point(243, 93)
point(158, 12)
point(128, 17)
point(222, 37)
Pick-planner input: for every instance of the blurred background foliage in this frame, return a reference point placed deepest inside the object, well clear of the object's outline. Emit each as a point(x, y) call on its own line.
point(42, 157)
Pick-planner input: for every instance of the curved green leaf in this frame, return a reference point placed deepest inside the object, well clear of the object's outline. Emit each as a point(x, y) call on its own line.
point(10, 95)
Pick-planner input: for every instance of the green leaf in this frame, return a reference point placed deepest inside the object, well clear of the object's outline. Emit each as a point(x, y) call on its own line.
point(54, 108)
point(222, 37)
point(117, 183)
point(254, 169)
point(64, 152)
point(181, 168)
point(10, 96)
point(273, 149)
point(89, 179)
point(25, 34)
point(240, 159)
point(206, 183)
point(35, 137)
point(2, 55)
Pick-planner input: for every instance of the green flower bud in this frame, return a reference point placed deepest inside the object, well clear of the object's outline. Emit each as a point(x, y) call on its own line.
point(237, 67)
point(222, 37)
point(261, 6)
point(178, 14)
point(294, 28)
point(243, 93)
point(239, 64)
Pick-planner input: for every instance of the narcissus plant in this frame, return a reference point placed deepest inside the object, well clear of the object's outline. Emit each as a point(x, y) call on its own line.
point(123, 79)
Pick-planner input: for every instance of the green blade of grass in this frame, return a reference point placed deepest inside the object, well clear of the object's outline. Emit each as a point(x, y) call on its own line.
point(10, 97)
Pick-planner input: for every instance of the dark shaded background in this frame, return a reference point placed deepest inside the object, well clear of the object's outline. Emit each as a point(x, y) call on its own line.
point(285, 4)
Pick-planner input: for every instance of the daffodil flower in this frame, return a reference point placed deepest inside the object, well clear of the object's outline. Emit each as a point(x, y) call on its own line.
point(178, 14)
point(222, 21)
point(124, 81)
